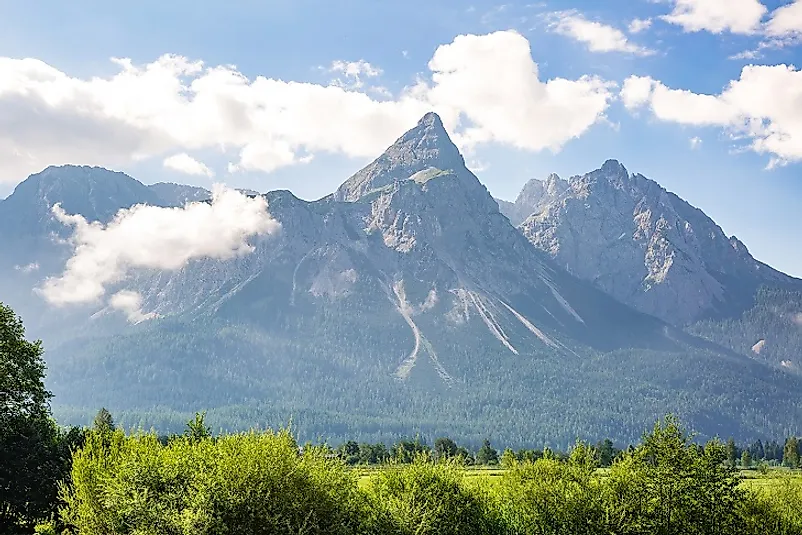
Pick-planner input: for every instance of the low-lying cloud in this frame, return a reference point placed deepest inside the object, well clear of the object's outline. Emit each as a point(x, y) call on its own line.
point(130, 303)
point(149, 237)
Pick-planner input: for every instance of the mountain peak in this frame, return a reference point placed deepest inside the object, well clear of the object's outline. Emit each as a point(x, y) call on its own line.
point(614, 167)
point(431, 119)
point(427, 145)
point(95, 192)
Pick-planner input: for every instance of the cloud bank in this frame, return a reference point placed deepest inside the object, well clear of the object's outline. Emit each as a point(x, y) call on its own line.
point(149, 237)
point(486, 87)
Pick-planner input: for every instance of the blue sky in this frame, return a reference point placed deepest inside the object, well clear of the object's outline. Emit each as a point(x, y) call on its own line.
point(706, 156)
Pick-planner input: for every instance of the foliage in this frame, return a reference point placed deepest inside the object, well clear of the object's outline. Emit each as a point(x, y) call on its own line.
point(553, 497)
point(428, 498)
point(669, 485)
point(245, 483)
point(34, 451)
point(487, 454)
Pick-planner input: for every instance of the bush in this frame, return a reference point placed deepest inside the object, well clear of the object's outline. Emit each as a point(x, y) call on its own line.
point(549, 496)
point(427, 497)
point(235, 484)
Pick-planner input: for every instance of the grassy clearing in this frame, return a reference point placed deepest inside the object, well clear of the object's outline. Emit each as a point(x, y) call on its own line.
point(752, 479)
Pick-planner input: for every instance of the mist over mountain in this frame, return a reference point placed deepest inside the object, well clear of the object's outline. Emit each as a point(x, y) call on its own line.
point(408, 302)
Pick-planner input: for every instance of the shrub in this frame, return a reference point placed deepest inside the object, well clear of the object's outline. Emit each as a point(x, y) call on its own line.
point(427, 497)
point(235, 484)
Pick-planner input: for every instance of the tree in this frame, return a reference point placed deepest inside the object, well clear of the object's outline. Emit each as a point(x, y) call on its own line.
point(756, 451)
point(746, 459)
point(486, 454)
point(508, 459)
point(732, 452)
point(670, 485)
point(445, 448)
point(791, 453)
point(103, 423)
point(607, 452)
point(29, 439)
point(196, 428)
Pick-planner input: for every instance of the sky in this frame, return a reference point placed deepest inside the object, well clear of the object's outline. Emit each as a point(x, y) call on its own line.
point(702, 96)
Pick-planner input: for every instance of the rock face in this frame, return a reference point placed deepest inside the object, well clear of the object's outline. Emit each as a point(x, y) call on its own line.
point(179, 194)
point(646, 247)
point(534, 196)
point(425, 146)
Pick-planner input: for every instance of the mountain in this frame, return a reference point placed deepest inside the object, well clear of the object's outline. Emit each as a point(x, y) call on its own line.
point(179, 194)
point(652, 250)
point(405, 302)
point(535, 195)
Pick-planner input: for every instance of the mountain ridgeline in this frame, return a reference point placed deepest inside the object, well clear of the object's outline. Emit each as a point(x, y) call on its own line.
point(407, 302)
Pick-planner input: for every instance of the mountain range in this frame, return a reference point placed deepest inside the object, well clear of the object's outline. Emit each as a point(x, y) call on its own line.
point(412, 301)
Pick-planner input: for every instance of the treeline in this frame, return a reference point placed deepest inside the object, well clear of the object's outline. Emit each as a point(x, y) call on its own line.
point(263, 482)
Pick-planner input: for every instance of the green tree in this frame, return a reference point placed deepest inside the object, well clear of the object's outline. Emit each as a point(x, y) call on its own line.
point(30, 461)
point(732, 452)
point(196, 428)
point(103, 422)
point(486, 454)
point(607, 452)
point(791, 453)
point(445, 448)
point(508, 459)
point(746, 459)
point(669, 486)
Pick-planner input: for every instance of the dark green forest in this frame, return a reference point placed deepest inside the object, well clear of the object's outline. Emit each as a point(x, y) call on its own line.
point(159, 375)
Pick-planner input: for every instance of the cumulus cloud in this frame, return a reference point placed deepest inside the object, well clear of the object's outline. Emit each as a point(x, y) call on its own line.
point(493, 82)
point(174, 105)
point(764, 106)
point(717, 16)
point(696, 142)
point(597, 36)
point(149, 237)
point(639, 25)
point(130, 303)
point(184, 163)
point(786, 21)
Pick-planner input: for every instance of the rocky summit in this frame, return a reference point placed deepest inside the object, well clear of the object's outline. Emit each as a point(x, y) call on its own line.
point(407, 301)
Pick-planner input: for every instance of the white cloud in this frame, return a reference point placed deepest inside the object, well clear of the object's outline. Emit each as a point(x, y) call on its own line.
point(597, 36)
point(696, 142)
point(493, 81)
point(786, 21)
point(639, 25)
point(717, 16)
point(149, 237)
point(184, 163)
point(636, 91)
point(353, 72)
point(28, 268)
point(130, 303)
point(175, 105)
point(798, 318)
point(764, 106)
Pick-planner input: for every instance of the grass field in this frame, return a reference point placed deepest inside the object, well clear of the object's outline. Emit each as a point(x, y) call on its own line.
point(752, 479)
